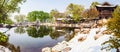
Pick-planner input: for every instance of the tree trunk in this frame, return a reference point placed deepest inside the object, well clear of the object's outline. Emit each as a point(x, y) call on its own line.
point(117, 50)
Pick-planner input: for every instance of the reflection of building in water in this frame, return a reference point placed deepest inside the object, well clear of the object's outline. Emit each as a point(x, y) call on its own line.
point(105, 10)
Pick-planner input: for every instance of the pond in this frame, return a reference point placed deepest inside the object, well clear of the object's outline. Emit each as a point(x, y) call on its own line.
point(33, 39)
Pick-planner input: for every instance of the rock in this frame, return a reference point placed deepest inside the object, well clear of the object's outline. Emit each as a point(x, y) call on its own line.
point(67, 49)
point(85, 31)
point(53, 50)
point(97, 31)
point(59, 46)
point(97, 36)
point(100, 23)
point(47, 49)
point(76, 30)
point(82, 38)
point(4, 49)
point(94, 26)
point(104, 21)
point(106, 32)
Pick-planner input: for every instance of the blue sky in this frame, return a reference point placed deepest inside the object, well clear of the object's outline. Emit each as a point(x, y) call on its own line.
point(60, 5)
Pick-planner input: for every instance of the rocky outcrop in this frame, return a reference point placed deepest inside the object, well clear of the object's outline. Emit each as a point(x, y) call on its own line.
point(76, 30)
point(4, 49)
point(86, 40)
point(57, 48)
point(60, 46)
point(82, 39)
point(46, 49)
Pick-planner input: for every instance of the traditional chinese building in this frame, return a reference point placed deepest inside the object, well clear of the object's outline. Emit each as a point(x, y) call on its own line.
point(105, 10)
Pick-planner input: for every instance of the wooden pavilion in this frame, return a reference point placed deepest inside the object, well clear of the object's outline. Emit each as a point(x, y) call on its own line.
point(105, 10)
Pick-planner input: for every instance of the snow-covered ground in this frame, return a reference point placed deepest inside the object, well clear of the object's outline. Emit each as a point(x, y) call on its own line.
point(88, 44)
point(4, 49)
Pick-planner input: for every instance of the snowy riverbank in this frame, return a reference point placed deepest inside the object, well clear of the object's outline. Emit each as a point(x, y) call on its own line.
point(4, 49)
point(90, 42)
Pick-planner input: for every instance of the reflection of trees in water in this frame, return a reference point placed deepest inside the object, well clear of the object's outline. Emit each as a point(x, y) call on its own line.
point(56, 34)
point(42, 31)
point(39, 31)
point(69, 33)
point(64, 31)
point(19, 30)
point(113, 42)
point(69, 36)
point(4, 42)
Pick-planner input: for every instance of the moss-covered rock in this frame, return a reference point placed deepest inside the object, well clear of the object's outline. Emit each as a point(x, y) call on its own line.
point(3, 38)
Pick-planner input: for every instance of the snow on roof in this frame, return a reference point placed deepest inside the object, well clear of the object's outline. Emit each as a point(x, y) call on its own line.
point(105, 6)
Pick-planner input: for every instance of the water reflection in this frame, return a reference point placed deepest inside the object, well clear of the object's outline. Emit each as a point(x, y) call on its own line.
point(67, 32)
point(56, 34)
point(4, 42)
point(38, 31)
point(42, 31)
point(69, 36)
point(33, 38)
point(20, 30)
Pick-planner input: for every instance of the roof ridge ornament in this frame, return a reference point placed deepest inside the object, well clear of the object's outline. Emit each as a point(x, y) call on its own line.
point(106, 4)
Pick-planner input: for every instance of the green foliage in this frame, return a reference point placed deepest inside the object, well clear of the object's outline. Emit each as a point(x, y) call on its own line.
point(8, 21)
point(54, 13)
point(7, 7)
point(19, 18)
point(38, 31)
point(3, 38)
point(75, 11)
point(114, 23)
point(32, 16)
point(38, 15)
point(90, 13)
point(85, 13)
point(43, 16)
point(20, 30)
point(94, 4)
point(113, 42)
